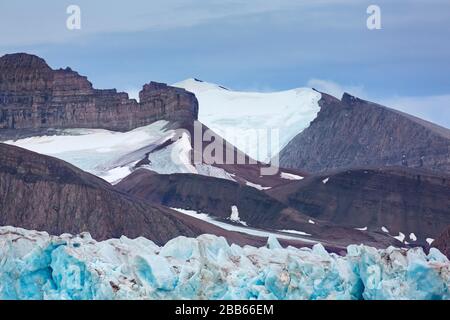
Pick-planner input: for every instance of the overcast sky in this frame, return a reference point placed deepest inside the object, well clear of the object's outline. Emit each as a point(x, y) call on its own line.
point(248, 45)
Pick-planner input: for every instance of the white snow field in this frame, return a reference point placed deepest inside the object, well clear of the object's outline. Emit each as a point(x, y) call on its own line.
point(243, 228)
point(236, 115)
point(113, 155)
point(35, 265)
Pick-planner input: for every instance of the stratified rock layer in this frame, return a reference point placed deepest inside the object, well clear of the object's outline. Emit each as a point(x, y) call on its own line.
point(355, 133)
point(33, 97)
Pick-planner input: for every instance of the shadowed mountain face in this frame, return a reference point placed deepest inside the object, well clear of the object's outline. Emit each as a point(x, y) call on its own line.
point(443, 242)
point(42, 193)
point(356, 133)
point(38, 192)
point(35, 98)
point(399, 199)
point(217, 196)
point(203, 194)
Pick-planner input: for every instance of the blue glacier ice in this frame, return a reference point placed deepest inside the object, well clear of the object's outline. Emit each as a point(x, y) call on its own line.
point(35, 265)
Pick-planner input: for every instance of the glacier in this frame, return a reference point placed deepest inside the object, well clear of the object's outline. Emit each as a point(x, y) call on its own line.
point(243, 118)
point(36, 265)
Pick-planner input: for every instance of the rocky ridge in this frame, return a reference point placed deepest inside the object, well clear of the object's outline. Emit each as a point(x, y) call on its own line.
point(35, 98)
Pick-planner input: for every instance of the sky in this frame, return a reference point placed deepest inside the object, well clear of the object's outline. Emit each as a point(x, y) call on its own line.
point(256, 45)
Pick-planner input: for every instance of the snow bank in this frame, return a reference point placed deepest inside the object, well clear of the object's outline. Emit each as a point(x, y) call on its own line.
point(113, 155)
point(34, 265)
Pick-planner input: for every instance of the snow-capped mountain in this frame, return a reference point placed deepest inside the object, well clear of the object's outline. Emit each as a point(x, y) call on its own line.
point(351, 132)
point(235, 115)
point(113, 155)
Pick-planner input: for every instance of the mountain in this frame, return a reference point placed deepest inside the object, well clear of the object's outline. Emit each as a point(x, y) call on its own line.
point(150, 152)
point(443, 242)
point(38, 192)
point(395, 200)
point(163, 147)
point(231, 202)
point(35, 98)
point(36, 265)
point(355, 133)
point(236, 115)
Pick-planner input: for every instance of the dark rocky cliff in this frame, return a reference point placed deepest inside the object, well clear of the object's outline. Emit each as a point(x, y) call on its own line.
point(43, 193)
point(443, 242)
point(354, 133)
point(33, 97)
point(401, 199)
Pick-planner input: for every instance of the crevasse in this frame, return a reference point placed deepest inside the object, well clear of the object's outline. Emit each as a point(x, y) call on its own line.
point(34, 265)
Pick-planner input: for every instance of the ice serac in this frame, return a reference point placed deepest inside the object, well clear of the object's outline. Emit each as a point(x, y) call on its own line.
point(35, 265)
point(35, 98)
point(351, 133)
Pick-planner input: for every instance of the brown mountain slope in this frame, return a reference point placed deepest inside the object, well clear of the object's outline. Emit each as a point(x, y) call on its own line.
point(42, 193)
point(216, 197)
point(34, 99)
point(351, 133)
point(399, 199)
point(38, 192)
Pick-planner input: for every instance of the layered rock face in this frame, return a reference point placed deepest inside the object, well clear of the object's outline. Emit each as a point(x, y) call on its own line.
point(354, 133)
point(38, 192)
point(203, 194)
point(392, 199)
point(33, 97)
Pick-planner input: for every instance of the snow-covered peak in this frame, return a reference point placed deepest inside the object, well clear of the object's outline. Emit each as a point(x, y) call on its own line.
point(246, 118)
point(197, 85)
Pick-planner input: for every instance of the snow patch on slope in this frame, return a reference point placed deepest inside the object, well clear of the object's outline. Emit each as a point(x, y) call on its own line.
point(174, 158)
point(290, 176)
point(256, 186)
point(235, 115)
point(296, 232)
